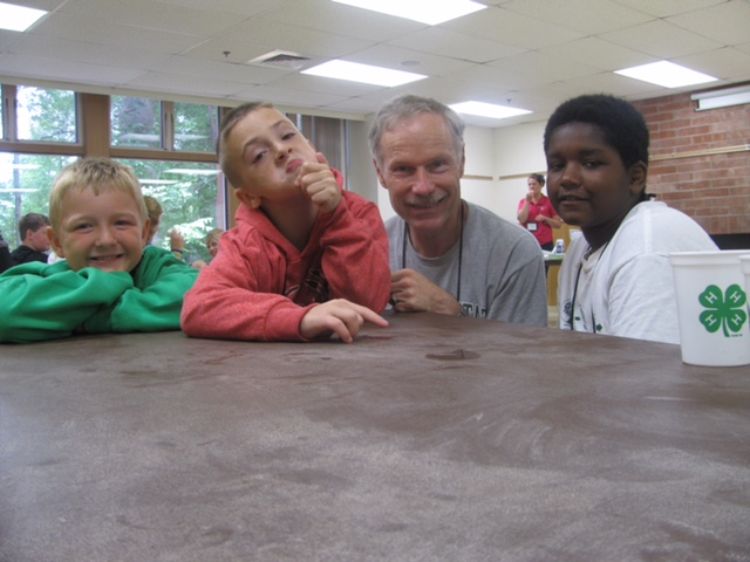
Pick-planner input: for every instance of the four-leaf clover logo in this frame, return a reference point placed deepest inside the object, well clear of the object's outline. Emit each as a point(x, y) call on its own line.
point(723, 310)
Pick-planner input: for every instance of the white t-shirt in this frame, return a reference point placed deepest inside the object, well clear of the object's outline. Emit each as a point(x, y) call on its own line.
point(626, 288)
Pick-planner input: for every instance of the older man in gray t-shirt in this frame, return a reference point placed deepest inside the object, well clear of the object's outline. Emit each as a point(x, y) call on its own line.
point(446, 255)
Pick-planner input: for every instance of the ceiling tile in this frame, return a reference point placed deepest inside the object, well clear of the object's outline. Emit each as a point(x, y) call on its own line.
point(438, 41)
point(302, 40)
point(47, 68)
point(727, 23)
point(728, 63)
point(542, 68)
point(331, 17)
point(155, 16)
point(181, 83)
point(82, 51)
point(597, 53)
point(209, 70)
point(398, 58)
point(591, 16)
point(660, 39)
point(512, 29)
point(664, 8)
point(95, 30)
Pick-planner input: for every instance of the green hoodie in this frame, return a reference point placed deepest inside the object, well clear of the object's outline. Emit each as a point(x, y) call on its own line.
point(43, 302)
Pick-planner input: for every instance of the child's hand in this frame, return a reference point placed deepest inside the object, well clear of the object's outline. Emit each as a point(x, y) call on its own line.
point(340, 317)
point(317, 180)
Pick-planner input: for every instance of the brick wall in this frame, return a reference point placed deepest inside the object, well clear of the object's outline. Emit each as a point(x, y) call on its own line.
point(690, 169)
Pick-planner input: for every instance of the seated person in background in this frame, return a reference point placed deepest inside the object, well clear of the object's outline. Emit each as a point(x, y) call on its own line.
point(5, 260)
point(300, 241)
point(616, 279)
point(536, 213)
point(176, 241)
point(107, 281)
point(448, 256)
point(212, 245)
point(32, 229)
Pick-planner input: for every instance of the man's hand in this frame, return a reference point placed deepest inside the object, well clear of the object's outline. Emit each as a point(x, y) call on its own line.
point(413, 292)
point(340, 317)
point(318, 181)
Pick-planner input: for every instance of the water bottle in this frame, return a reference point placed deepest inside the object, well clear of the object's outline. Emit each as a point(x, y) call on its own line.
point(559, 246)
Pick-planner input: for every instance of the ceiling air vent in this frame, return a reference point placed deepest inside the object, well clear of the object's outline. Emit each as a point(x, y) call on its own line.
point(281, 59)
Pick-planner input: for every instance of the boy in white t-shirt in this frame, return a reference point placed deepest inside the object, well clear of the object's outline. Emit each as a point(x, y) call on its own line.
point(616, 279)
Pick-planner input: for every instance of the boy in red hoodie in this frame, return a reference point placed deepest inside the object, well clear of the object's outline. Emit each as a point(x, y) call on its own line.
point(305, 259)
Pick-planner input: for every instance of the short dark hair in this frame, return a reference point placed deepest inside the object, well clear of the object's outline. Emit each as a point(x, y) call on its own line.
point(32, 222)
point(622, 125)
point(538, 177)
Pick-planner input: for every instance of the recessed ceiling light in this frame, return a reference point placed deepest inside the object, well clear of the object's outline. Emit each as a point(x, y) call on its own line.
point(18, 18)
point(431, 12)
point(192, 171)
point(364, 73)
point(157, 182)
point(667, 74)
point(484, 109)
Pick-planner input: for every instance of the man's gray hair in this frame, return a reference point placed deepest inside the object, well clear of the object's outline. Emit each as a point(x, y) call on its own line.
point(406, 107)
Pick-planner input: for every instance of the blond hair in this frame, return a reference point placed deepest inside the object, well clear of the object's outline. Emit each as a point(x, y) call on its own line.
point(153, 208)
point(100, 175)
point(214, 235)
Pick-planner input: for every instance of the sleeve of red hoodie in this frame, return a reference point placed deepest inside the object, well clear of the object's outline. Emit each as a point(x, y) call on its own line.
point(355, 253)
point(239, 295)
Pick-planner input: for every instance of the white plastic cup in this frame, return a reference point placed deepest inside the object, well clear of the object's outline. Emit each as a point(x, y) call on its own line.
point(712, 308)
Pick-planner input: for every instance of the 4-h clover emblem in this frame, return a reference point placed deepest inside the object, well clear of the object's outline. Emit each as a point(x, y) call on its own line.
point(725, 311)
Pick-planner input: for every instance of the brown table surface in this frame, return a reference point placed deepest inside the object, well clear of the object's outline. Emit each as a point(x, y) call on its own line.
point(435, 439)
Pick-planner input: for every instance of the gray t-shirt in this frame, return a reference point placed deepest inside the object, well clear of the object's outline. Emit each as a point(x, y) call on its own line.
point(502, 268)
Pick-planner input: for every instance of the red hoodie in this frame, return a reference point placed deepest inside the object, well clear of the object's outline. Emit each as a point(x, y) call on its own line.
point(259, 285)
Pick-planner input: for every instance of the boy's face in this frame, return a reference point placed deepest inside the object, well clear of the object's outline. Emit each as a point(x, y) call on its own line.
point(104, 231)
point(38, 239)
point(267, 151)
point(587, 181)
point(213, 246)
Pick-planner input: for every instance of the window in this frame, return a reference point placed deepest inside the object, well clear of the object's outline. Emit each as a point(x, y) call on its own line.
point(162, 125)
point(39, 115)
point(191, 195)
point(25, 183)
point(196, 127)
point(46, 115)
point(135, 122)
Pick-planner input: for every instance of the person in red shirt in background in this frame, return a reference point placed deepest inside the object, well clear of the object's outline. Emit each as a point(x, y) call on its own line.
point(536, 213)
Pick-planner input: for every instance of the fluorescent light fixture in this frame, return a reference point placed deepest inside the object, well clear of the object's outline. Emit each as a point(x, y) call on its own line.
point(484, 109)
point(431, 12)
point(722, 98)
point(158, 182)
point(18, 18)
point(191, 172)
point(19, 190)
point(364, 73)
point(667, 74)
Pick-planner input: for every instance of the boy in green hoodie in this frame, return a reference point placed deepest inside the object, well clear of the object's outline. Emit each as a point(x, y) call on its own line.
point(108, 281)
